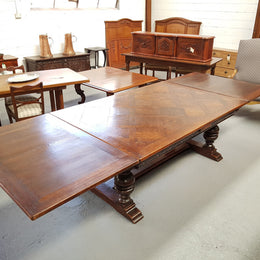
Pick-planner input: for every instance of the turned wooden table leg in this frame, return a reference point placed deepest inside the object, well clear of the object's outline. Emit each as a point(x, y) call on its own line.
point(117, 194)
point(80, 92)
point(124, 185)
point(208, 149)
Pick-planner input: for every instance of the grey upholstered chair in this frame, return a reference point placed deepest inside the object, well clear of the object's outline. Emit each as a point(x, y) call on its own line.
point(248, 61)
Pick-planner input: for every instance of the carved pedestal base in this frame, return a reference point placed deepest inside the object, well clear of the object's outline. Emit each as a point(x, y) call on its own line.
point(208, 149)
point(117, 194)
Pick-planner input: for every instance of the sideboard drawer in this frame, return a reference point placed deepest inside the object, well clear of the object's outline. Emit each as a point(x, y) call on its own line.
point(144, 44)
point(224, 72)
point(228, 58)
point(195, 49)
point(226, 67)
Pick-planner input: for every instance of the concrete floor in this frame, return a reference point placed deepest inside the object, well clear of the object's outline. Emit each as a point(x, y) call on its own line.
point(194, 208)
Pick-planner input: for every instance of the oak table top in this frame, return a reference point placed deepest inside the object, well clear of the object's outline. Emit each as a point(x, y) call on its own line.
point(54, 79)
point(147, 120)
point(112, 80)
point(46, 162)
point(225, 86)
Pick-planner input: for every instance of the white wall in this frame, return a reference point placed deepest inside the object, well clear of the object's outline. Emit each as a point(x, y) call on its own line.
point(20, 37)
point(227, 20)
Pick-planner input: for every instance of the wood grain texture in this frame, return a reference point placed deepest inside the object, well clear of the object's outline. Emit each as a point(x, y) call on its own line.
point(147, 120)
point(224, 86)
point(51, 79)
point(46, 162)
point(112, 80)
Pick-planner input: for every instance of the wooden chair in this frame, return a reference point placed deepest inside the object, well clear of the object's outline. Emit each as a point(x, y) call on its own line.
point(22, 107)
point(8, 100)
point(13, 69)
point(174, 25)
point(248, 62)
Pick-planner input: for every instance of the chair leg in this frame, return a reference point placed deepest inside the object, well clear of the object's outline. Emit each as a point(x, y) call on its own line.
point(10, 119)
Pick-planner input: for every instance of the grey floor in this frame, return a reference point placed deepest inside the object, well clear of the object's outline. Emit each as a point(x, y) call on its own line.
point(194, 208)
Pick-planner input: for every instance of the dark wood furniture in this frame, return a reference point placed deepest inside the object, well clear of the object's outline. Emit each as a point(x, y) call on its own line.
point(119, 39)
point(55, 153)
point(96, 51)
point(132, 133)
point(8, 61)
point(77, 62)
point(173, 25)
point(171, 45)
point(171, 62)
point(54, 81)
point(112, 80)
point(22, 106)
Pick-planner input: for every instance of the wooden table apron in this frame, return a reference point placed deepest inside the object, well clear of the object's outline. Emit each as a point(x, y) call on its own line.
point(54, 81)
point(134, 131)
point(187, 64)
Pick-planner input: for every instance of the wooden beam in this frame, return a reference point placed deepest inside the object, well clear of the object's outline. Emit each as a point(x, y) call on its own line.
point(148, 15)
point(256, 32)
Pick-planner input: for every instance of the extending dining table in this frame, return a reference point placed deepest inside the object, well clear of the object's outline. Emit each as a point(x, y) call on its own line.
point(106, 144)
point(112, 80)
point(54, 81)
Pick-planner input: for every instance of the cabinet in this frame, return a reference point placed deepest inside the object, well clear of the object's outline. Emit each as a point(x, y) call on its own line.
point(225, 68)
point(77, 62)
point(8, 61)
point(119, 40)
point(170, 45)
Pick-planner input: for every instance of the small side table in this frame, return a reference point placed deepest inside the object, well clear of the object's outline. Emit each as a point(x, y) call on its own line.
point(96, 51)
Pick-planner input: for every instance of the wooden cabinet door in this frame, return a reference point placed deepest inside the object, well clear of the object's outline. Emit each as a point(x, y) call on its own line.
point(119, 40)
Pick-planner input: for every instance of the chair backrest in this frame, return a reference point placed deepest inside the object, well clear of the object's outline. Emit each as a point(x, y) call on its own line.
point(13, 69)
point(177, 25)
point(22, 103)
point(16, 69)
point(248, 61)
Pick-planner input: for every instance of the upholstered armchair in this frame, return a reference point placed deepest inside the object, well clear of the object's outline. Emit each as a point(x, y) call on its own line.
point(248, 62)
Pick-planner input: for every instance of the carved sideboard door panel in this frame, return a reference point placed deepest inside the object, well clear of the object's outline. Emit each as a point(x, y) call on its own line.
point(77, 62)
point(119, 40)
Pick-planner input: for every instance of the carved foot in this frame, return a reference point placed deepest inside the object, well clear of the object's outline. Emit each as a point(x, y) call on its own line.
point(124, 185)
point(208, 149)
point(80, 92)
point(117, 194)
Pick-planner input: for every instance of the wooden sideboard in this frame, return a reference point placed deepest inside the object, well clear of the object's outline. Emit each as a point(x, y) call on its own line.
point(174, 46)
point(77, 62)
point(8, 61)
point(225, 68)
point(119, 40)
